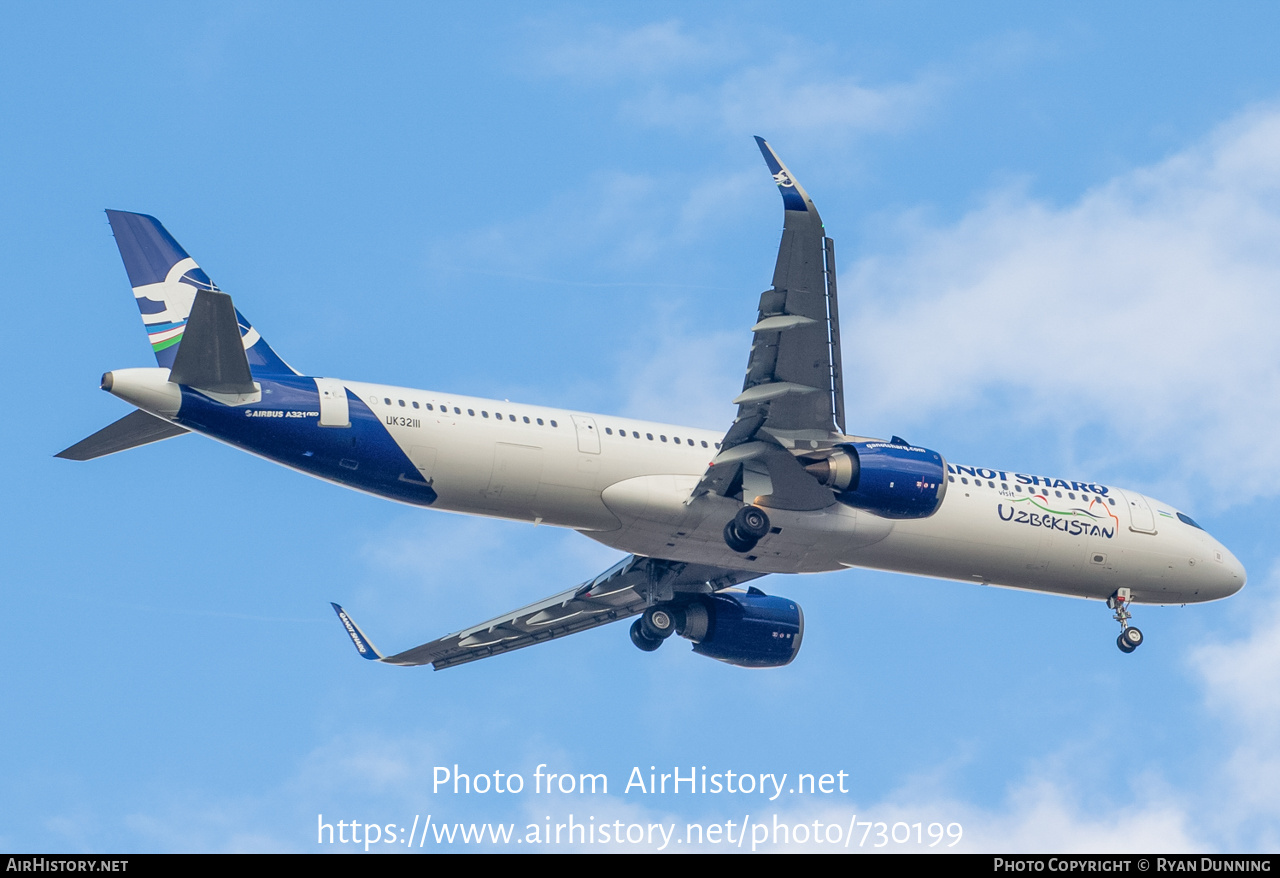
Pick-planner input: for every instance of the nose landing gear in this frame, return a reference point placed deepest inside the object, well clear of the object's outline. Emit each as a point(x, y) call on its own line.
point(1130, 638)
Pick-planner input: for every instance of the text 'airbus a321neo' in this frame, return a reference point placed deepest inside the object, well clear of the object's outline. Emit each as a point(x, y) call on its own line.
point(787, 489)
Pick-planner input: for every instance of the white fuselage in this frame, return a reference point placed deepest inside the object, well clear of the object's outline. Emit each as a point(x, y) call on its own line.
point(626, 483)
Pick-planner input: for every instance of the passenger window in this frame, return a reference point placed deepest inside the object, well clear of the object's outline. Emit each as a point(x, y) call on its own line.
point(951, 479)
point(650, 436)
point(401, 403)
point(635, 435)
point(387, 400)
point(539, 422)
point(526, 419)
point(554, 424)
point(471, 412)
point(704, 443)
point(663, 438)
point(456, 410)
point(513, 417)
point(608, 431)
point(415, 403)
point(486, 414)
point(964, 481)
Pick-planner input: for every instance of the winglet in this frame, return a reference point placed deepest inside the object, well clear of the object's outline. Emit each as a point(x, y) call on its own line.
point(793, 195)
point(363, 645)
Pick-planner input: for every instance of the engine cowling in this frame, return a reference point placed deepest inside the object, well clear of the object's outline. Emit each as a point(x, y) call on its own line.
point(891, 479)
point(749, 629)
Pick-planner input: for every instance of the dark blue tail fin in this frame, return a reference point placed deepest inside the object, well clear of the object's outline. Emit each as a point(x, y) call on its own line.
point(165, 280)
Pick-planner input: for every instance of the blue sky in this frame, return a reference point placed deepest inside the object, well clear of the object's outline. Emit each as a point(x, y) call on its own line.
point(1057, 231)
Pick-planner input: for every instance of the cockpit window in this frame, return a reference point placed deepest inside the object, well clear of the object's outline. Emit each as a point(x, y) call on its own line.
point(1186, 519)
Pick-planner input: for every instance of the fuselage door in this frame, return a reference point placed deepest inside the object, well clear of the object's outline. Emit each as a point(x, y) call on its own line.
point(588, 435)
point(334, 411)
point(1141, 519)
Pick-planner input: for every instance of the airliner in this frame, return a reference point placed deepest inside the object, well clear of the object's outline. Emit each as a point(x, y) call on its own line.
point(698, 514)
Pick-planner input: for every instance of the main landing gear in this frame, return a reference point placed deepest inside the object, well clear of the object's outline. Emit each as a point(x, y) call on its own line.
point(746, 529)
point(1130, 638)
point(653, 627)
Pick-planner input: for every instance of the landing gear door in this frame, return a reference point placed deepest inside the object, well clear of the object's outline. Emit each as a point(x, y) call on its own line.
point(588, 435)
point(334, 411)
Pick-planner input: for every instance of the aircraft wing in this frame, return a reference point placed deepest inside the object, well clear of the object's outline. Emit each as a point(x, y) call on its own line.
point(621, 591)
point(793, 396)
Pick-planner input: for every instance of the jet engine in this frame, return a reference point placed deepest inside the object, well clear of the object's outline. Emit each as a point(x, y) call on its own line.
point(749, 629)
point(892, 479)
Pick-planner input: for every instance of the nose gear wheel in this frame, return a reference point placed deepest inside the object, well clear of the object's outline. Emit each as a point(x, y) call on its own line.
point(1130, 638)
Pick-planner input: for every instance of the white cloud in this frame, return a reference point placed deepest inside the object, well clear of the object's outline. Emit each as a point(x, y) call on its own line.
point(1147, 307)
point(456, 571)
point(656, 49)
point(1242, 686)
point(1136, 323)
point(1059, 803)
point(737, 82)
point(345, 770)
point(785, 94)
point(680, 377)
point(1038, 816)
point(1242, 678)
point(599, 232)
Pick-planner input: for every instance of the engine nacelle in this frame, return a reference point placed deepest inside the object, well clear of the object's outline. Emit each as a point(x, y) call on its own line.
point(891, 479)
point(749, 629)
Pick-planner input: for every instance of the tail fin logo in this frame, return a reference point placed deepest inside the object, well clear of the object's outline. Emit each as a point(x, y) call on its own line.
point(165, 305)
point(782, 178)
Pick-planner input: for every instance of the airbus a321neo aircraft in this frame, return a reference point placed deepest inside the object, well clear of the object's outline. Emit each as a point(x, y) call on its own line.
point(786, 489)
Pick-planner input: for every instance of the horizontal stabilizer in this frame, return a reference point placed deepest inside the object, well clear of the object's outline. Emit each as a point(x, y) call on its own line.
point(134, 429)
point(212, 355)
